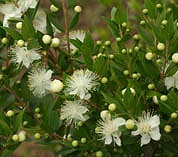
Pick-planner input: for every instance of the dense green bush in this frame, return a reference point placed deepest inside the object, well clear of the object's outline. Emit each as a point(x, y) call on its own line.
point(59, 87)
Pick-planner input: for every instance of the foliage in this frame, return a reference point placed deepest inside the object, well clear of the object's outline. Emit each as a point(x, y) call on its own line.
point(125, 84)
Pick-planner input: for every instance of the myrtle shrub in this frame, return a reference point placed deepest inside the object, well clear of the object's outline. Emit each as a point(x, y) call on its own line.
point(60, 87)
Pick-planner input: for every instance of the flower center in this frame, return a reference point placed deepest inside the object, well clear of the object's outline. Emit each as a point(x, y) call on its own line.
point(145, 128)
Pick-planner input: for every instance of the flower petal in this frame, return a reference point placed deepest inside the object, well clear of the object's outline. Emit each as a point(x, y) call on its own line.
point(155, 134)
point(117, 140)
point(154, 121)
point(108, 139)
point(135, 133)
point(145, 139)
point(118, 122)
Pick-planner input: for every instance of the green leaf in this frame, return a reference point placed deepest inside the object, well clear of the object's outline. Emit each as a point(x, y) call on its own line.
point(113, 27)
point(4, 126)
point(87, 50)
point(28, 31)
point(54, 20)
point(18, 120)
point(71, 3)
point(74, 21)
point(14, 34)
point(49, 26)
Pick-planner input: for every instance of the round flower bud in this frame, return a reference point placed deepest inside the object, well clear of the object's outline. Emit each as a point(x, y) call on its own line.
point(163, 98)
point(22, 136)
point(56, 86)
point(111, 56)
point(155, 99)
point(25, 123)
point(167, 128)
point(19, 25)
point(98, 42)
point(158, 5)
point(74, 143)
point(142, 22)
point(112, 107)
point(124, 24)
point(138, 75)
point(99, 55)
point(134, 76)
point(126, 72)
point(164, 22)
point(131, 89)
point(149, 56)
point(145, 11)
point(130, 50)
point(78, 9)
point(73, 52)
point(104, 80)
point(151, 86)
point(1, 77)
point(15, 138)
point(136, 48)
point(69, 137)
point(97, 129)
point(53, 8)
point(46, 39)
point(107, 43)
point(83, 140)
point(80, 123)
point(55, 42)
point(136, 37)
point(169, 10)
point(175, 58)
point(123, 51)
point(10, 113)
point(130, 124)
point(37, 136)
point(4, 40)
point(118, 39)
point(20, 43)
point(173, 115)
point(158, 61)
point(160, 46)
point(105, 114)
point(38, 115)
point(37, 109)
point(3, 68)
point(99, 154)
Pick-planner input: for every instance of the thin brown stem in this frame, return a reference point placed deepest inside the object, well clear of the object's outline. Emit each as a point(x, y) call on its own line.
point(164, 66)
point(67, 32)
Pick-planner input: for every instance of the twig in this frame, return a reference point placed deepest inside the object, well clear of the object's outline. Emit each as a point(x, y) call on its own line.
point(67, 33)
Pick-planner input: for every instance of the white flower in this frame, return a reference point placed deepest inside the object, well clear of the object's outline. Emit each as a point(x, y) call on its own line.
point(12, 10)
point(9, 10)
point(109, 130)
point(77, 34)
point(39, 81)
point(81, 82)
point(21, 55)
point(25, 4)
point(172, 81)
point(73, 111)
point(148, 128)
point(40, 22)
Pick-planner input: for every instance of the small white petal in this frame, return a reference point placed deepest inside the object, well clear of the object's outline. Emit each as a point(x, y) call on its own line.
point(108, 139)
point(119, 122)
point(154, 121)
point(135, 133)
point(145, 139)
point(155, 134)
point(117, 140)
